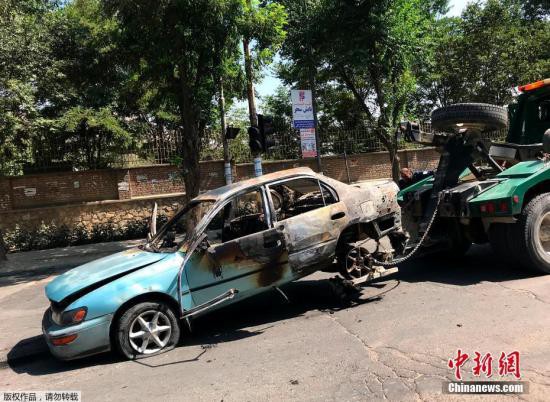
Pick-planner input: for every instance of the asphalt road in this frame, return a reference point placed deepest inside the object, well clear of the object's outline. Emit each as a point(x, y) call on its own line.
point(393, 343)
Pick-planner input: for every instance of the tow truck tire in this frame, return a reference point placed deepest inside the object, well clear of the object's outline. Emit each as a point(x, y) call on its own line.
point(480, 115)
point(459, 244)
point(531, 234)
point(499, 238)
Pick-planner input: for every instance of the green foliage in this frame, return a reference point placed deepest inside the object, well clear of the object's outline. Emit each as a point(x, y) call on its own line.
point(82, 81)
point(24, 51)
point(100, 137)
point(50, 235)
point(373, 60)
point(264, 25)
point(494, 47)
point(60, 85)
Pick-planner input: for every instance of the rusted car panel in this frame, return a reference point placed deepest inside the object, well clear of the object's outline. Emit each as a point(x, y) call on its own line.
point(302, 234)
point(225, 245)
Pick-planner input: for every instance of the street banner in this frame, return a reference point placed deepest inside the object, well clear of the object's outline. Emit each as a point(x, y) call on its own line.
point(308, 143)
point(302, 108)
point(304, 120)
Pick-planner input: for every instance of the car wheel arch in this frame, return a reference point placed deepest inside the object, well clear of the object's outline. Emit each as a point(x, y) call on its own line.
point(144, 297)
point(351, 233)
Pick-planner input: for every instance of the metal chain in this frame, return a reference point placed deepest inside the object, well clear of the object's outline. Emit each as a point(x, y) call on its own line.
point(417, 247)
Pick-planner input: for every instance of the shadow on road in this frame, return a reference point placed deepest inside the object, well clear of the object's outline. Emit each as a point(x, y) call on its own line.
point(480, 264)
point(229, 324)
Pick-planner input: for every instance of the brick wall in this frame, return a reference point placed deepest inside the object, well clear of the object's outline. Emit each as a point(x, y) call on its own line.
point(59, 188)
point(106, 195)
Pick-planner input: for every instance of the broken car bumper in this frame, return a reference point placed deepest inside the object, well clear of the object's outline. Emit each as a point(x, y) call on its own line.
point(87, 338)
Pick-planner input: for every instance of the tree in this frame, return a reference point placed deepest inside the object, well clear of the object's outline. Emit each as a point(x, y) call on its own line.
point(25, 54)
point(373, 60)
point(480, 57)
point(263, 33)
point(174, 44)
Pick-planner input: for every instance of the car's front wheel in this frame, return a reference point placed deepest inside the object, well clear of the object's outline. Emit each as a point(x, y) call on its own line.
point(147, 329)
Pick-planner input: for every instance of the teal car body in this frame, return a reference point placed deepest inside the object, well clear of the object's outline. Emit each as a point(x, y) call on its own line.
point(225, 245)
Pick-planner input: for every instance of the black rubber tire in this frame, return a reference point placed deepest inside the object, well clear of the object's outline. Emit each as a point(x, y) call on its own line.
point(490, 117)
point(459, 244)
point(500, 240)
point(122, 338)
point(524, 235)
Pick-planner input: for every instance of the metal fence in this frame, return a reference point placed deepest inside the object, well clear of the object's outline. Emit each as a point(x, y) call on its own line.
point(56, 154)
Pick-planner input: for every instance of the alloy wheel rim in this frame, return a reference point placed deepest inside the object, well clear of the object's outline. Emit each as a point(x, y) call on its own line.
point(356, 262)
point(150, 332)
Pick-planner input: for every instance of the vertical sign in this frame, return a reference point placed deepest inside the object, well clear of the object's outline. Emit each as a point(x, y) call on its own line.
point(302, 116)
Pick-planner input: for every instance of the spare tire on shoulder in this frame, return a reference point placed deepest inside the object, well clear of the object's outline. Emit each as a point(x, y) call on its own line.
point(473, 116)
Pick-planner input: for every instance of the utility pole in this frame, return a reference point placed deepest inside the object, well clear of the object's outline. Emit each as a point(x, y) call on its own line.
point(312, 73)
point(251, 96)
point(314, 105)
point(226, 155)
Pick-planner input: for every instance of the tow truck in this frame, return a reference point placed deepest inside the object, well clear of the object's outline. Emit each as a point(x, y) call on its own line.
point(483, 191)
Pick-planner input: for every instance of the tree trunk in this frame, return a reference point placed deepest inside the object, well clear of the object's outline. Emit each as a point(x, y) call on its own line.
point(250, 84)
point(395, 164)
point(223, 124)
point(190, 144)
point(3, 248)
point(190, 161)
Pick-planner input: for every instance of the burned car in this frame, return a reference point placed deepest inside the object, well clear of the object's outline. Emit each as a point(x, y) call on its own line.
point(225, 245)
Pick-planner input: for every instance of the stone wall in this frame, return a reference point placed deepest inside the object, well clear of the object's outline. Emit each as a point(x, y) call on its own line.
point(88, 215)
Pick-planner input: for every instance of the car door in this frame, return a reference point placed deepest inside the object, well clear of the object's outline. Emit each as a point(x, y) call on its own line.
point(242, 251)
point(311, 217)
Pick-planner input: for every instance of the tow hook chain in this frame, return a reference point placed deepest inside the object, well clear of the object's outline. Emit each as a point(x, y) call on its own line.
point(419, 244)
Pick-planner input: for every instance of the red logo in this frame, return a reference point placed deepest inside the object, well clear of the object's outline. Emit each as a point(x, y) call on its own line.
point(458, 362)
point(508, 364)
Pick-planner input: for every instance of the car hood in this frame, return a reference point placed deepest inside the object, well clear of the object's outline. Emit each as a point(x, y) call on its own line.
point(99, 272)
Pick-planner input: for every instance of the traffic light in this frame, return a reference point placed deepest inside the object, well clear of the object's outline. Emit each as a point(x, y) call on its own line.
point(260, 138)
point(255, 140)
point(267, 129)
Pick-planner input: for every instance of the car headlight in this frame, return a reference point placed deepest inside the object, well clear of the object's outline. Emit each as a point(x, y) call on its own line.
point(70, 317)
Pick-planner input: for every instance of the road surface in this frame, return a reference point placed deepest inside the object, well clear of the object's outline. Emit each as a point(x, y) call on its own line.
point(393, 343)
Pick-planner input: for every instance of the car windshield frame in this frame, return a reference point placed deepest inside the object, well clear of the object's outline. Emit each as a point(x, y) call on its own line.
point(181, 212)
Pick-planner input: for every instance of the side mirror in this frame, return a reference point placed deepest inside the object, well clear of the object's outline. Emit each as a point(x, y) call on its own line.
point(546, 142)
point(153, 222)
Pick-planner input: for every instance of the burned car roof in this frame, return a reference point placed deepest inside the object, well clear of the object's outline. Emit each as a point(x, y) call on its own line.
point(226, 191)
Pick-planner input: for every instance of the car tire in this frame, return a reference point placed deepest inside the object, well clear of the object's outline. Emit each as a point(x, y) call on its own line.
point(531, 234)
point(482, 116)
point(161, 335)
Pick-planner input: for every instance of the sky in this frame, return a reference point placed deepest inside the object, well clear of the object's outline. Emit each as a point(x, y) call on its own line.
point(270, 82)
